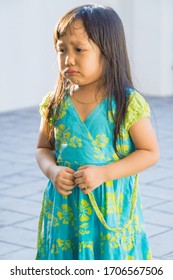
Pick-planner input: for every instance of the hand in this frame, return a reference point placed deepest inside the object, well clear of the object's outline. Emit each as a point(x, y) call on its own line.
point(88, 177)
point(62, 178)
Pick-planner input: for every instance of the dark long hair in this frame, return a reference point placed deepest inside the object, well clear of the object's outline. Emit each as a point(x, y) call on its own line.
point(104, 27)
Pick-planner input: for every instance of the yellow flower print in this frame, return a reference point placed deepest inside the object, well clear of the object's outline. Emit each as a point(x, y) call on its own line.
point(65, 104)
point(42, 247)
point(41, 241)
point(135, 225)
point(112, 239)
point(63, 108)
point(101, 140)
point(84, 229)
point(123, 149)
point(75, 142)
point(99, 154)
point(61, 114)
point(105, 237)
point(109, 184)
point(64, 244)
point(137, 108)
point(108, 159)
point(48, 208)
point(110, 203)
point(149, 255)
point(54, 249)
point(97, 150)
point(57, 144)
point(119, 203)
point(114, 203)
point(85, 245)
point(114, 243)
point(89, 136)
point(110, 118)
point(130, 258)
point(128, 242)
point(65, 214)
point(55, 222)
point(62, 134)
point(85, 210)
point(100, 157)
point(123, 134)
point(115, 157)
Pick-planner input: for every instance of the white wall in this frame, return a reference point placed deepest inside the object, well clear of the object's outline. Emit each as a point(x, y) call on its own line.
point(153, 45)
point(166, 41)
point(28, 67)
point(27, 56)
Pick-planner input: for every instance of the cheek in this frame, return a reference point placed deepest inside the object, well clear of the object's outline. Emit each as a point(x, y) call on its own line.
point(92, 63)
point(96, 67)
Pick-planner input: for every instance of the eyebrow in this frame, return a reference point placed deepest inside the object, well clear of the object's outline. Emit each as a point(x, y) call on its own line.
point(76, 43)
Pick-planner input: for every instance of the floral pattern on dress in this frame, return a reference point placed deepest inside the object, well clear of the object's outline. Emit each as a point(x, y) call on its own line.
point(62, 133)
point(75, 142)
point(65, 214)
point(107, 223)
point(100, 141)
point(85, 210)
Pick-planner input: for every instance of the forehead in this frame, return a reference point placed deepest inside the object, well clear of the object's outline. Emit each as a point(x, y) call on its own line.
point(75, 29)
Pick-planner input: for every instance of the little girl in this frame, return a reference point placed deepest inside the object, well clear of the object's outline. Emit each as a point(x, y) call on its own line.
point(94, 139)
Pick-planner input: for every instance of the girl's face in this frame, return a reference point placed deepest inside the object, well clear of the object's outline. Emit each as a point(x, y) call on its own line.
point(79, 58)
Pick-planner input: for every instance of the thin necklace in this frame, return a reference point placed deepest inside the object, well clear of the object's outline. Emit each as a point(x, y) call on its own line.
point(96, 100)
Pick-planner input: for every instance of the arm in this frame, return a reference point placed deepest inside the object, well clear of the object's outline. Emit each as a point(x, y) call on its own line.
point(145, 155)
point(45, 151)
point(61, 176)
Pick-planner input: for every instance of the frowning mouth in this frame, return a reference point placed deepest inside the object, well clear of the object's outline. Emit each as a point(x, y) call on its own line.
point(71, 72)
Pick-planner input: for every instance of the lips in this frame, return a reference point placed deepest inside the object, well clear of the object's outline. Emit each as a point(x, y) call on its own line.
point(71, 71)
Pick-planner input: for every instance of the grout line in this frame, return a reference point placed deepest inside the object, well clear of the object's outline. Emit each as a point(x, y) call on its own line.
point(16, 244)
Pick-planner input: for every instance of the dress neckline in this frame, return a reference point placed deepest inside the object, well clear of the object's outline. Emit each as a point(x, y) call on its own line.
point(91, 114)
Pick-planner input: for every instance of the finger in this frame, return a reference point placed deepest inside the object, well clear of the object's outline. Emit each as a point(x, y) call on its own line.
point(67, 182)
point(64, 192)
point(68, 187)
point(82, 186)
point(70, 170)
point(65, 188)
point(82, 167)
point(69, 176)
point(79, 180)
point(78, 174)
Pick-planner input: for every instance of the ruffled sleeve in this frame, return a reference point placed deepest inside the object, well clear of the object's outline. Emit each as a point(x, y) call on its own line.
point(44, 107)
point(137, 109)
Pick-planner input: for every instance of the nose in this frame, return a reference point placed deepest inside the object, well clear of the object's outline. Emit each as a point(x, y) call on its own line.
point(69, 59)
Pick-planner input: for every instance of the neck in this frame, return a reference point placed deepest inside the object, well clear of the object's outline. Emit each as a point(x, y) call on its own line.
point(87, 92)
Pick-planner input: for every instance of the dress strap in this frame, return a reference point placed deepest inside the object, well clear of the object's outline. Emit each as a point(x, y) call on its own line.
point(100, 215)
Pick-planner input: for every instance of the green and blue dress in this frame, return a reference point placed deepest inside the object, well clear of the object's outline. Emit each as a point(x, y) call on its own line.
point(108, 223)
